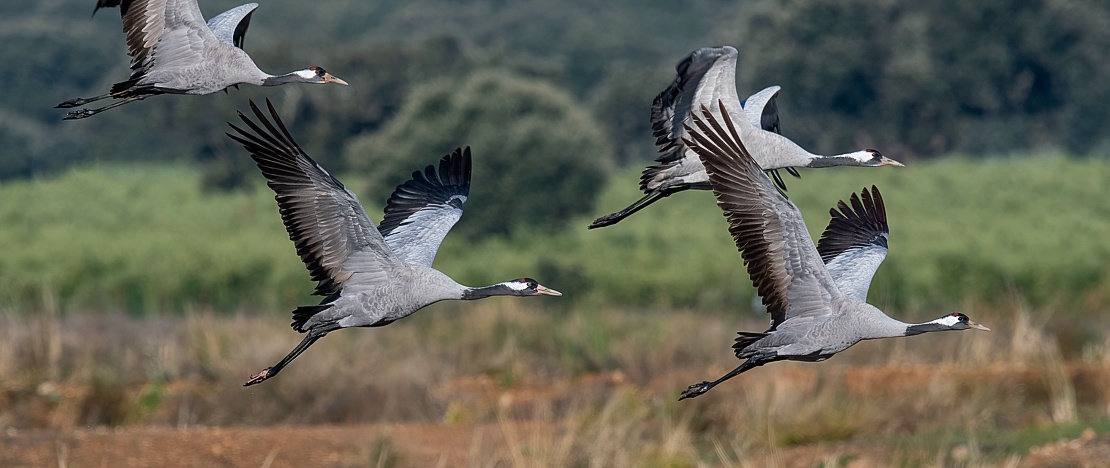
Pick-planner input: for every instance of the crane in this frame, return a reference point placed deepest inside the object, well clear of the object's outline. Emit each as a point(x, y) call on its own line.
point(703, 78)
point(370, 276)
point(814, 313)
point(173, 51)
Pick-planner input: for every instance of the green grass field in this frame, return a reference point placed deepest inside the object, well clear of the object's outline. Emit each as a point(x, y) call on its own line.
point(147, 238)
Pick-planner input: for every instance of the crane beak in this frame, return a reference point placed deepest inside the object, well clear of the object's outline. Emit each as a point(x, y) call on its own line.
point(977, 326)
point(543, 290)
point(328, 78)
point(885, 161)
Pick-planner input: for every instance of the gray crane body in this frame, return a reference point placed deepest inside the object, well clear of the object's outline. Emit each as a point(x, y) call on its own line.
point(174, 51)
point(816, 294)
point(703, 79)
point(370, 275)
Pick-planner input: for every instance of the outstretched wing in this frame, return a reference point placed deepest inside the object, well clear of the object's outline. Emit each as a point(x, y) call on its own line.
point(707, 75)
point(230, 26)
point(335, 239)
point(762, 108)
point(768, 228)
point(421, 211)
point(169, 31)
point(704, 78)
point(109, 4)
point(855, 242)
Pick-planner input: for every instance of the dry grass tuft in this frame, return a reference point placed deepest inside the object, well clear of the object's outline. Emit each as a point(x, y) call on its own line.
point(590, 388)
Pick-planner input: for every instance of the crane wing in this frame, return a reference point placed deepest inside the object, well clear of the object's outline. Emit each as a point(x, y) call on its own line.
point(230, 26)
point(422, 210)
point(768, 228)
point(147, 22)
point(707, 76)
point(107, 4)
point(855, 242)
point(334, 237)
point(762, 108)
point(706, 73)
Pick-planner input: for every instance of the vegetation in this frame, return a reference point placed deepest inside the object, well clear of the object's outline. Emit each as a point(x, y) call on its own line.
point(930, 78)
point(905, 77)
point(539, 160)
point(591, 387)
point(147, 238)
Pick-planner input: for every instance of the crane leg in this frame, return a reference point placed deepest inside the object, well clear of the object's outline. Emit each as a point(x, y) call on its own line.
point(81, 101)
point(313, 335)
point(641, 204)
point(699, 388)
point(83, 113)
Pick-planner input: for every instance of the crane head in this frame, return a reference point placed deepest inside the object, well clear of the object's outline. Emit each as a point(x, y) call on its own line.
point(316, 74)
point(530, 287)
point(958, 321)
point(877, 159)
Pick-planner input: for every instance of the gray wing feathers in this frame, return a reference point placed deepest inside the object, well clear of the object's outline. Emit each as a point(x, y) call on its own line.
point(719, 84)
point(144, 22)
point(164, 31)
point(705, 78)
point(230, 26)
point(335, 239)
point(762, 108)
point(671, 109)
point(768, 229)
point(422, 210)
point(855, 242)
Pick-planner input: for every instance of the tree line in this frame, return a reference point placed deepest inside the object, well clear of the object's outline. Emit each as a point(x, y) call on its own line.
point(553, 96)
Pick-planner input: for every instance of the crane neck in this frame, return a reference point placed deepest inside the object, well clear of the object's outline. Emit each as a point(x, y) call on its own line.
point(299, 76)
point(946, 323)
point(856, 158)
point(483, 292)
point(278, 80)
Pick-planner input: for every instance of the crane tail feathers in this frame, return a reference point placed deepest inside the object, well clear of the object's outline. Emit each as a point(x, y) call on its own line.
point(303, 313)
point(745, 339)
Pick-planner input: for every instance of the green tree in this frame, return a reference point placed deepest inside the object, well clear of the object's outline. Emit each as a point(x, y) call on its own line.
point(932, 77)
point(538, 157)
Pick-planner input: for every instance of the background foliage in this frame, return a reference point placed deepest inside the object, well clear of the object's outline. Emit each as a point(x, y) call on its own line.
point(554, 97)
point(149, 238)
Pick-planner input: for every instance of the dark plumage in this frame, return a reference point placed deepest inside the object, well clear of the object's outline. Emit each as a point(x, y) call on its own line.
point(861, 225)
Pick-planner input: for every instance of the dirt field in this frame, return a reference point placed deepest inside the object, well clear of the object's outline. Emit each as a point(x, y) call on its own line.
point(96, 391)
point(399, 445)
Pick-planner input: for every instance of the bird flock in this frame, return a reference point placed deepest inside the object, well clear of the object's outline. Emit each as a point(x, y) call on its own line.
point(707, 139)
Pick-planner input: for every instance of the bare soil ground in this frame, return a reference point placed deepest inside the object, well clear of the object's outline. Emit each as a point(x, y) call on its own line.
point(404, 445)
point(275, 447)
point(168, 392)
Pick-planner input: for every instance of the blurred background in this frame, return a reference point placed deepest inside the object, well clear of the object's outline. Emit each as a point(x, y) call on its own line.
point(145, 273)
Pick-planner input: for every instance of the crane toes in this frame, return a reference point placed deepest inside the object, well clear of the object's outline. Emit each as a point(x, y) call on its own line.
point(78, 114)
point(259, 377)
point(607, 220)
point(71, 103)
point(695, 390)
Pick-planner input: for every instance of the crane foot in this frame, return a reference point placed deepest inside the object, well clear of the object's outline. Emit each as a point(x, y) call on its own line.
point(72, 103)
point(695, 390)
point(259, 377)
point(79, 114)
